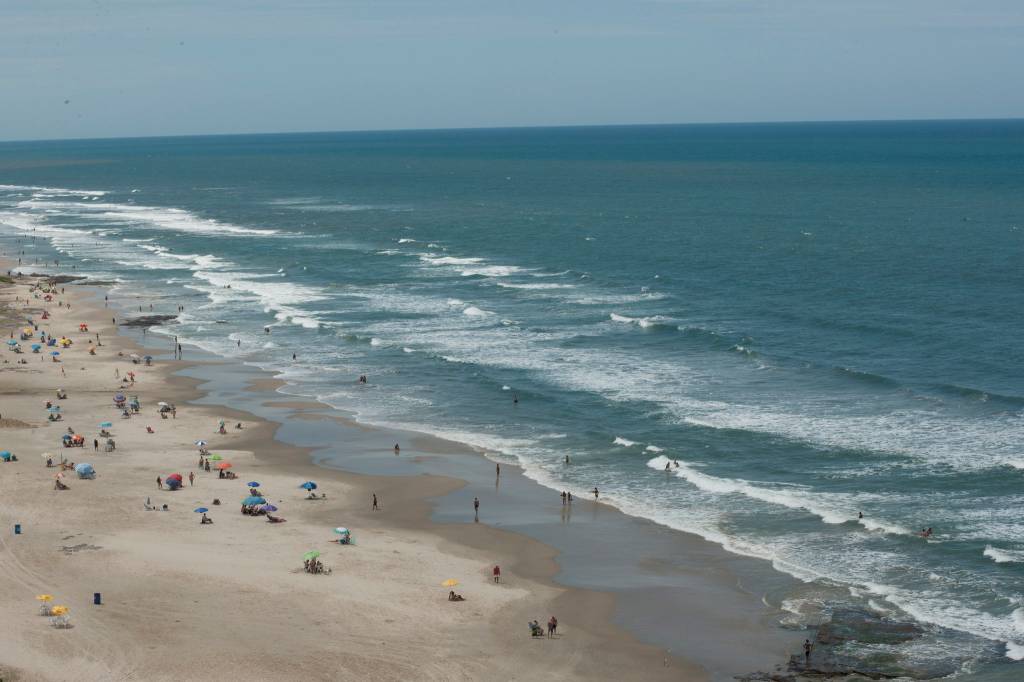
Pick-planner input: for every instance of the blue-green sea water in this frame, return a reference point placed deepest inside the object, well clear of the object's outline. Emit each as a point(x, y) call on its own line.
point(813, 320)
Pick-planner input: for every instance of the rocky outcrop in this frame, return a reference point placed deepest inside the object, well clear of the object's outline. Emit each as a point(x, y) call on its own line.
point(148, 320)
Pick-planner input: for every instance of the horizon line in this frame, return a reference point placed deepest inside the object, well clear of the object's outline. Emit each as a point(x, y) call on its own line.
point(508, 127)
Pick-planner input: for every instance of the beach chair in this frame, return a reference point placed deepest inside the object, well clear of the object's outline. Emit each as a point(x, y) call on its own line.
point(44, 609)
point(61, 622)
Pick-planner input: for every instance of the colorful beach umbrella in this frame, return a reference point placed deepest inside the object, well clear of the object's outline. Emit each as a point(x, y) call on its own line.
point(105, 425)
point(341, 531)
point(55, 352)
point(12, 342)
point(172, 477)
point(223, 465)
point(200, 443)
point(55, 408)
point(308, 485)
point(310, 555)
point(59, 611)
point(36, 346)
point(214, 458)
point(268, 508)
point(201, 510)
point(253, 484)
point(119, 397)
point(253, 500)
point(451, 582)
point(44, 597)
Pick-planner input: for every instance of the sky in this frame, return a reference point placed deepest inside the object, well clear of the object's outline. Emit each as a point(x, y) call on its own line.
point(121, 68)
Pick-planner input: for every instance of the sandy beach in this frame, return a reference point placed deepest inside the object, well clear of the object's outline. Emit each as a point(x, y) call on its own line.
point(230, 600)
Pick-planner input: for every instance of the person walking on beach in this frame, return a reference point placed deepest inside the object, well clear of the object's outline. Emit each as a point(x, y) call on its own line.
point(476, 507)
point(497, 573)
point(595, 492)
point(397, 449)
point(159, 483)
point(563, 498)
point(497, 469)
point(375, 506)
point(807, 653)
point(95, 444)
point(191, 478)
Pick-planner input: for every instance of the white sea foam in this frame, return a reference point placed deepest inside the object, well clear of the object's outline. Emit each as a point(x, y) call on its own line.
point(1003, 556)
point(376, 342)
point(653, 448)
point(406, 240)
point(624, 442)
point(539, 286)
point(473, 311)
point(449, 260)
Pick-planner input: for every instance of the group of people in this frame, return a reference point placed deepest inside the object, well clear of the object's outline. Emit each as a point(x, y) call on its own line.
point(314, 565)
point(537, 631)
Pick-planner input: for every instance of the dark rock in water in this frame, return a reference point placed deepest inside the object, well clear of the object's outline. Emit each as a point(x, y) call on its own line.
point(857, 642)
point(866, 627)
point(57, 279)
point(148, 320)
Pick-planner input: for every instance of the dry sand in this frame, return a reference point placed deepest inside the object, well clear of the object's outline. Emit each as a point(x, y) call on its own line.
point(229, 601)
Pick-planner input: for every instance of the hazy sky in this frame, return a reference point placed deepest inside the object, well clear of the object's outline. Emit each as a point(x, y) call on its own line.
point(84, 68)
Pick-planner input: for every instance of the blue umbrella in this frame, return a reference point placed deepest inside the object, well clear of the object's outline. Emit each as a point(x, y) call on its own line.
point(55, 408)
point(55, 352)
point(105, 425)
point(308, 485)
point(84, 470)
point(253, 484)
point(268, 508)
point(202, 510)
point(253, 500)
point(36, 346)
point(12, 342)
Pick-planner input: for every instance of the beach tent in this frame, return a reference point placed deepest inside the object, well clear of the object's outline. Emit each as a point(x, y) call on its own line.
point(253, 500)
point(308, 485)
point(85, 470)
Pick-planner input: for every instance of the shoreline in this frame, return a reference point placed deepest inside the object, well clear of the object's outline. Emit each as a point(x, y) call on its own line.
point(602, 649)
point(736, 633)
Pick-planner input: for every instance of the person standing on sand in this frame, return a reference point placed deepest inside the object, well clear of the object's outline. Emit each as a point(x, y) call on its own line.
point(375, 506)
point(476, 506)
point(563, 498)
point(595, 492)
point(95, 444)
point(159, 483)
point(191, 478)
point(807, 653)
point(497, 573)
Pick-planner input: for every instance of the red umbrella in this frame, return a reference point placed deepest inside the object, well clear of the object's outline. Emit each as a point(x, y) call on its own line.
point(173, 476)
point(223, 465)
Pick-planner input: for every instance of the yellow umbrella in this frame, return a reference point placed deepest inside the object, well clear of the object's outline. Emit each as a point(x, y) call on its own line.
point(451, 582)
point(58, 610)
point(44, 597)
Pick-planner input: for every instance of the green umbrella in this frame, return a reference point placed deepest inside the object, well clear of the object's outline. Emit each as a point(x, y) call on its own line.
point(310, 555)
point(215, 458)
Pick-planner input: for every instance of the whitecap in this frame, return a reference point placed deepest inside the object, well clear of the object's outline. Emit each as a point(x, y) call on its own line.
point(624, 442)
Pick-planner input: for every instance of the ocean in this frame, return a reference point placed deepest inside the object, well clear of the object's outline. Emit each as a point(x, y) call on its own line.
point(753, 333)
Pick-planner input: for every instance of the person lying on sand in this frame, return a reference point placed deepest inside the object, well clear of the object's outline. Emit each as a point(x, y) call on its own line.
point(455, 597)
point(275, 519)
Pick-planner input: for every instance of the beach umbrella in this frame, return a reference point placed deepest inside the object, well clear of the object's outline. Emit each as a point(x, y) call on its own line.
point(44, 597)
point(119, 397)
point(105, 425)
point(310, 555)
point(268, 508)
point(55, 353)
point(173, 476)
point(5, 456)
point(46, 455)
point(253, 500)
point(214, 458)
point(36, 346)
point(201, 510)
point(200, 443)
point(12, 342)
point(55, 408)
point(341, 531)
point(162, 404)
point(148, 357)
point(84, 470)
point(134, 356)
point(253, 484)
point(223, 465)
point(451, 582)
point(308, 485)
point(58, 611)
